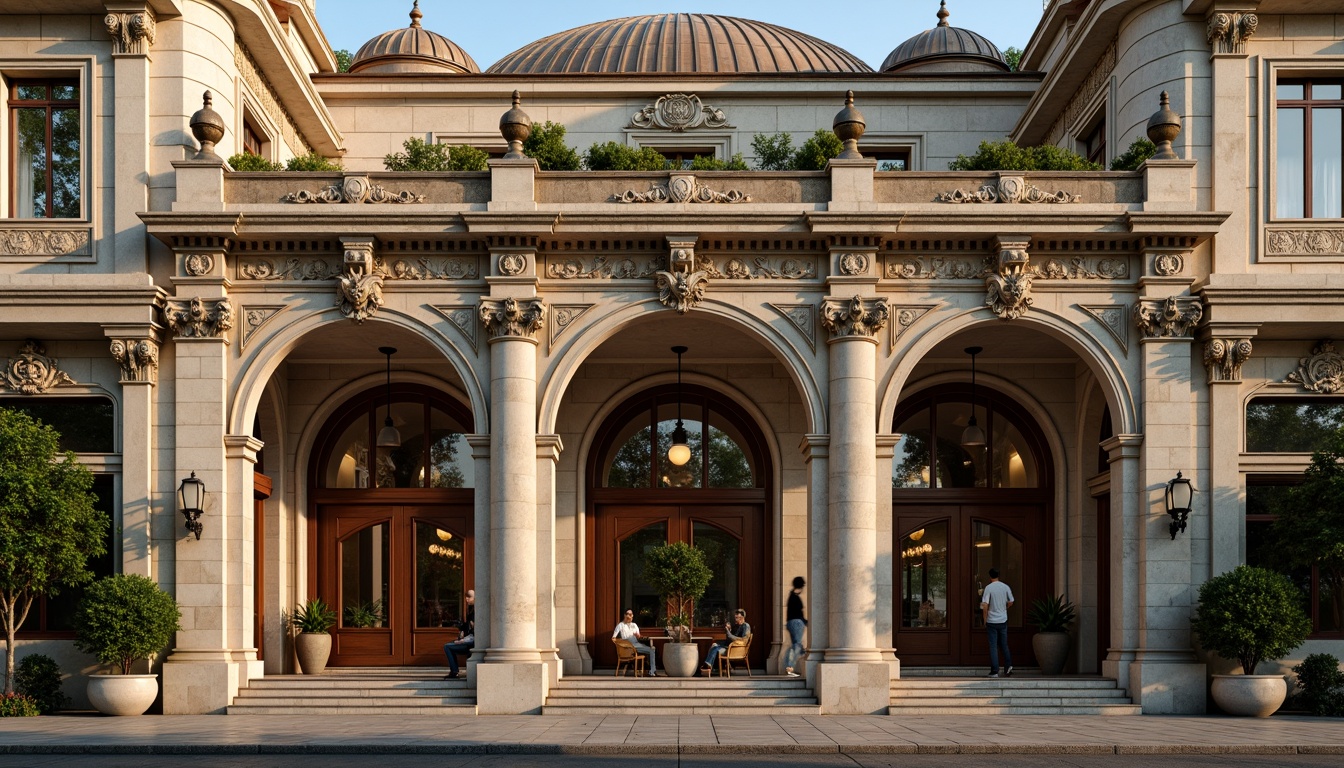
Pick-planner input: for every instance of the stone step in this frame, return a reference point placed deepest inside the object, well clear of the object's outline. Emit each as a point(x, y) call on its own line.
point(356, 689)
point(324, 708)
point(689, 701)
point(699, 709)
point(287, 700)
point(999, 690)
point(1004, 683)
point(1006, 709)
point(1008, 699)
point(687, 683)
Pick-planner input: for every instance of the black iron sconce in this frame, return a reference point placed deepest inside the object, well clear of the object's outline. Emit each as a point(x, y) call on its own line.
point(1180, 492)
point(191, 495)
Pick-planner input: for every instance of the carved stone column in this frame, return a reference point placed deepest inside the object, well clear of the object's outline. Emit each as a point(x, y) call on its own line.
point(1225, 351)
point(136, 350)
point(1123, 453)
point(132, 28)
point(817, 453)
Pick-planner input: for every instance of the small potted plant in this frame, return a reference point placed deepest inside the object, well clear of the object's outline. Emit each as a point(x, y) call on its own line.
point(677, 572)
point(121, 620)
point(1052, 616)
point(1251, 615)
point(312, 645)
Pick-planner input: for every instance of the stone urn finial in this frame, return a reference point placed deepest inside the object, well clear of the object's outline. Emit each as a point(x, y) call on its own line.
point(1163, 127)
point(849, 127)
point(416, 15)
point(515, 126)
point(208, 128)
point(943, 14)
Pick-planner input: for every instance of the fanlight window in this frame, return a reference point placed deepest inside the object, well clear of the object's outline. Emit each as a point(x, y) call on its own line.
point(930, 454)
point(433, 452)
point(721, 456)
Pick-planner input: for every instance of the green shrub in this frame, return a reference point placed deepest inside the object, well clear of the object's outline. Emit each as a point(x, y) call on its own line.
point(708, 163)
point(612, 156)
point(343, 59)
point(124, 618)
point(546, 144)
point(1013, 56)
point(1007, 156)
point(773, 152)
point(419, 155)
point(1322, 685)
point(1252, 615)
point(313, 617)
point(817, 151)
point(1140, 150)
point(39, 678)
point(311, 162)
point(1051, 614)
point(18, 705)
point(465, 157)
point(246, 162)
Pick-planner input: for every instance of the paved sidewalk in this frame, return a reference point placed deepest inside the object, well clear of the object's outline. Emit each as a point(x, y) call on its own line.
point(660, 735)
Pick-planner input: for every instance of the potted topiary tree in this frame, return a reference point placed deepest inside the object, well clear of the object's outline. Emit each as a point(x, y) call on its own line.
point(313, 620)
point(122, 619)
point(1251, 615)
point(1052, 616)
point(677, 572)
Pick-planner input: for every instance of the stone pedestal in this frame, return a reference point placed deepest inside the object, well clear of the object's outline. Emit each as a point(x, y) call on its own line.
point(847, 688)
point(515, 688)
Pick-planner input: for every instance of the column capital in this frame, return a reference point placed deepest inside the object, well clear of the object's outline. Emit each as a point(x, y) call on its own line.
point(549, 447)
point(1230, 25)
point(511, 319)
point(1119, 447)
point(1224, 356)
point(1170, 318)
point(199, 318)
point(132, 27)
point(855, 318)
point(138, 358)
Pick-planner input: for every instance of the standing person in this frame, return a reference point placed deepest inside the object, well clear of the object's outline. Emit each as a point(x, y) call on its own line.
point(995, 601)
point(466, 641)
point(735, 631)
point(629, 630)
point(794, 622)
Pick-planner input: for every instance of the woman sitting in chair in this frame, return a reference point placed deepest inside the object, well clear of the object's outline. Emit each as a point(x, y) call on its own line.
point(738, 630)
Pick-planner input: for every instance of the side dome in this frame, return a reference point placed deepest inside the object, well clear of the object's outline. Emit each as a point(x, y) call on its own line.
point(945, 48)
point(413, 49)
point(678, 43)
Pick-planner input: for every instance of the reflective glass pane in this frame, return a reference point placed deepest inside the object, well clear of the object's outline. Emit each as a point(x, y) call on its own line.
point(364, 578)
point(31, 92)
point(910, 464)
point(1014, 466)
point(61, 607)
point(1291, 426)
point(687, 475)
point(65, 92)
point(1289, 91)
point(958, 466)
point(1288, 161)
point(630, 465)
point(348, 466)
point(86, 424)
point(722, 550)
point(403, 466)
point(439, 571)
point(924, 577)
point(635, 593)
point(30, 170)
point(729, 465)
point(1329, 603)
point(994, 547)
point(450, 464)
point(1324, 91)
point(1327, 142)
point(65, 163)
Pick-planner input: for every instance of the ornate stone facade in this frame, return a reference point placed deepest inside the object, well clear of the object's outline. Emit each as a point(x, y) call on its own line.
point(198, 318)
point(132, 33)
point(1172, 317)
point(1322, 371)
point(1224, 357)
point(854, 317)
point(679, 112)
point(138, 358)
point(31, 372)
point(359, 289)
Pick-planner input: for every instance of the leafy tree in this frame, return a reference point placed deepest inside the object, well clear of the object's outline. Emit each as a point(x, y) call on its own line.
point(124, 618)
point(773, 152)
point(1309, 530)
point(1251, 615)
point(311, 162)
point(246, 162)
point(612, 156)
point(49, 527)
point(1013, 55)
point(678, 573)
point(709, 163)
point(1007, 156)
point(547, 145)
point(343, 60)
point(817, 151)
point(419, 155)
point(1140, 150)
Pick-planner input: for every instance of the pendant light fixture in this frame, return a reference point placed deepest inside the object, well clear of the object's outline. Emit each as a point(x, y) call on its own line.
point(973, 436)
point(388, 436)
point(680, 452)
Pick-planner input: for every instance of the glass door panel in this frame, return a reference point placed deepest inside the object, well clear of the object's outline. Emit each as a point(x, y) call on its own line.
point(995, 547)
point(439, 576)
point(924, 578)
point(722, 551)
point(635, 593)
point(365, 567)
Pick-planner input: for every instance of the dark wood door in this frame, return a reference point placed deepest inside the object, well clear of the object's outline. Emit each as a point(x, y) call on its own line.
point(396, 575)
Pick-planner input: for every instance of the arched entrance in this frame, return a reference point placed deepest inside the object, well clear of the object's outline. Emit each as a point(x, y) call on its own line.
point(391, 525)
point(716, 501)
point(959, 511)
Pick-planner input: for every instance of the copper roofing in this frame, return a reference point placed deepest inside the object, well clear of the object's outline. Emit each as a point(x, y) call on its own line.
point(941, 43)
point(412, 49)
point(678, 42)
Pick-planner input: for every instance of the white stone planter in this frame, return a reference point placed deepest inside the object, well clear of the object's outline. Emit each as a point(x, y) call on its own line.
point(123, 694)
point(313, 649)
point(680, 659)
point(1249, 695)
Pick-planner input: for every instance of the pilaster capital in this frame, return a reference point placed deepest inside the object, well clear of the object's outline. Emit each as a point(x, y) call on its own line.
point(138, 358)
point(1118, 447)
point(510, 318)
point(549, 447)
point(243, 447)
point(1170, 318)
point(1230, 25)
point(132, 27)
point(198, 318)
point(1224, 356)
point(815, 446)
point(854, 318)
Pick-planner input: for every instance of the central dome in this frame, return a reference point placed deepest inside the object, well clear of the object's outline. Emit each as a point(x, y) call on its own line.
point(677, 43)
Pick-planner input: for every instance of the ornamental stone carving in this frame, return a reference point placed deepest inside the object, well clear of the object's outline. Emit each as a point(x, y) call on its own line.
point(906, 317)
point(681, 188)
point(1322, 371)
point(1305, 242)
point(1228, 32)
point(1008, 289)
point(510, 318)
point(359, 289)
point(353, 189)
point(939, 268)
point(679, 112)
point(1172, 317)
point(198, 318)
point(43, 242)
point(512, 264)
point(682, 287)
point(855, 317)
point(1168, 264)
point(1224, 357)
point(198, 264)
point(564, 317)
point(599, 269)
point(803, 317)
point(138, 358)
point(132, 33)
point(31, 372)
point(852, 264)
point(1112, 318)
point(1007, 189)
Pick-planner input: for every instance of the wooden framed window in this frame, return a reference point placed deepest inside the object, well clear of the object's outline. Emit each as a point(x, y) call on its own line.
point(46, 157)
point(889, 159)
point(1309, 149)
point(1094, 145)
point(682, 157)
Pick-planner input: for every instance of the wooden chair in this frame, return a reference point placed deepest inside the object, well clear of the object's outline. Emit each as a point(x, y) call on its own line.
point(736, 651)
point(627, 657)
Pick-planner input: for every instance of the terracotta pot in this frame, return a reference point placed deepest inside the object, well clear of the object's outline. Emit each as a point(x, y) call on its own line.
point(313, 650)
point(123, 694)
point(1052, 651)
point(1249, 695)
point(680, 659)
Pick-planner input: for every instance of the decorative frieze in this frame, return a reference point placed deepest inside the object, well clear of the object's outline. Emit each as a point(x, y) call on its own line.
point(43, 242)
point(1304, 242)
point(429, 269)
point(939, 268)
point(682, 286)
point(198, 318)
point(138, 358)
point(1172, 317)
point(759, 268)
point(854, 317)
point(1224, 357)
point(31, 372)
point(1008, 189)
point(564, 315)
point(353, 189)
point(424, 268)
point(132, 33)
point(1008, 288)
point(803, 317)
point(512, 318)
point(1112, 318)
point(359, 289)
point(679, 112)
point(1082, 268)
point(600, 268)
point(681, 188)
point(1228, 32)
point(1322, 371)
point(269, 99)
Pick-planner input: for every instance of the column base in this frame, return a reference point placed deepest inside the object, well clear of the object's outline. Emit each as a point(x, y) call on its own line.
point(201, 687)
point(1169, 687)
point(848, 688)
point(511, 689)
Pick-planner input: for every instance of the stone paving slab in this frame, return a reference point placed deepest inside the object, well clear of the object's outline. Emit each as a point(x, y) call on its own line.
point(670, 735)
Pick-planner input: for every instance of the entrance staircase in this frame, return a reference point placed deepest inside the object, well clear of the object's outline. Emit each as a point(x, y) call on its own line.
point(358, 691)
point(604, 694)
point(966, 691)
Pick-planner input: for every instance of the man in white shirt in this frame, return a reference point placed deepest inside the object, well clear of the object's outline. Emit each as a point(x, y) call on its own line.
point(629, 630)
point(995, 601)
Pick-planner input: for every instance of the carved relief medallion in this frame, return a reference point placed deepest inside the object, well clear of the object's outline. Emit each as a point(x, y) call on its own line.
point(1322, 371)
point(353, 189)
point(679, 112)
point(359, 290)
point(681, 189)
point(512, 264)
point(1168, 264)
point(198, 264)
point(31, 372)
point(854, 264)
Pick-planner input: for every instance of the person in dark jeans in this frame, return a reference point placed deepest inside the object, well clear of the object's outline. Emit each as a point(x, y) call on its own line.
point(466, 641)
point(794, 622)
point(735, 631)
point(995, 601)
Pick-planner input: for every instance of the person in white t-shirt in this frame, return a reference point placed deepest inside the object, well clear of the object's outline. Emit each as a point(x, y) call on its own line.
point(629, 630)
point(995, 601)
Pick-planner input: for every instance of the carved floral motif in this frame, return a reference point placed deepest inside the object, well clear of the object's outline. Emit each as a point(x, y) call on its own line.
point(679, 112)
point(423, 268)
point(854, 264)
point(1112, 317)
point(43, 242)
point(1168, 264)
point(511, 318)
point(359, 289)
point(31, 372)
point(1171, 317)
point(1228, 32)
point(138, 358)
point(564, 316)
point(512, 264)
point(1224, 357)
point(353, 189)
point(939, 268)
point(199, 318)
point(1081, 268)
point(1007, 189)
point(681, 189)
point(1322, 371)
point(198, 264)
point(1305, 242)
point(855, 317)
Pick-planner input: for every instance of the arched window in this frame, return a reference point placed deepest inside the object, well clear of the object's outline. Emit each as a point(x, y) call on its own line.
point(930, 454)
point(432, 452)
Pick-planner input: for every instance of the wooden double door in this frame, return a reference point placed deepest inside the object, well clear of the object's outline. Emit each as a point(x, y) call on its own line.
point(397, 575)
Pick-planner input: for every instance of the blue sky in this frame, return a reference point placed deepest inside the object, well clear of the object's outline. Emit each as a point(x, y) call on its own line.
point(868, 29)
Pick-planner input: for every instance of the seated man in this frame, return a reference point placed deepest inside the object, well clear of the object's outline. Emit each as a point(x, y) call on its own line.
point(738, 630)
point(466, 641)
point(628, 630)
